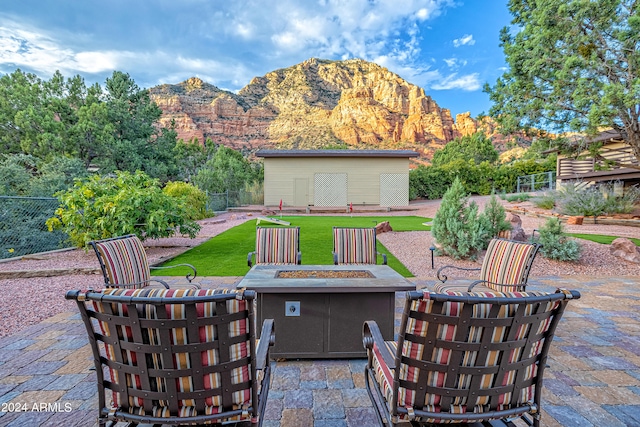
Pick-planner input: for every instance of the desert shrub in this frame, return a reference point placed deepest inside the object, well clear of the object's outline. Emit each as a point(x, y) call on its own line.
point(496, 217)
point(114, 205)
point(457, 227)
point(520, 197)
point(546, 201)
point(621, 203)
point(555, 245)
point(194, 199)
point(585, 202)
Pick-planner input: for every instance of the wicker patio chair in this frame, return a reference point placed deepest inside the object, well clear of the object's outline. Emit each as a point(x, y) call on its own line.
point(355, 246)
point(177, 356)
point(463, 357)
point(124, 264)
point(505, 267)
point(277, 245)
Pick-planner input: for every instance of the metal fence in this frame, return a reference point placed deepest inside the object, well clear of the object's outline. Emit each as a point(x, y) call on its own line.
point(219, 202)
point(536, 182)
point(22, 226)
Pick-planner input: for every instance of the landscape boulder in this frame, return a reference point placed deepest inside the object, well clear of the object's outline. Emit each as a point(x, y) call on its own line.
point(383, 227)
point(517, 232)
point(625, 249)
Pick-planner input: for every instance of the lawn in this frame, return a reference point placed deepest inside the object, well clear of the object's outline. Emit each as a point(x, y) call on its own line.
point(226, 254)
point(600, 238)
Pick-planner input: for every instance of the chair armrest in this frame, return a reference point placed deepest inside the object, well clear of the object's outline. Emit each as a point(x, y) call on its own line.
point(335, 258)
point(189, 277)
point(371, 336)
point(267, 339)
point(443, 278)
point(249, 258)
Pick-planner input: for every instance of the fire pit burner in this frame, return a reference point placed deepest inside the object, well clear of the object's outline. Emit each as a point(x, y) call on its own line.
point(324, 274)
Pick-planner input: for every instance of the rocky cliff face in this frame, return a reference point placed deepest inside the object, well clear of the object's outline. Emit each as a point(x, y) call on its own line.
point(315, 104)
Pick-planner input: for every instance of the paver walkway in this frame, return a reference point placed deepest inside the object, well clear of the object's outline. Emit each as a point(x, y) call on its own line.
point(593, 377)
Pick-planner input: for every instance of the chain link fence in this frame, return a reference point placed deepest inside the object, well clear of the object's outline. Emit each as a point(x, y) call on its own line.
point(22, 226)
point(218, 202)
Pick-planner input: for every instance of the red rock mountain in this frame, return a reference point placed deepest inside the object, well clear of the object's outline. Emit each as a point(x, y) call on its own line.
point(315, 104)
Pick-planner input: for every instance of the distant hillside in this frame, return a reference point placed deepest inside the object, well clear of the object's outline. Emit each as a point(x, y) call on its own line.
point(317, 104)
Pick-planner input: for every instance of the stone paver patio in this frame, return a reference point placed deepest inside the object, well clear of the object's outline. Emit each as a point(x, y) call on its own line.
point(593, 377)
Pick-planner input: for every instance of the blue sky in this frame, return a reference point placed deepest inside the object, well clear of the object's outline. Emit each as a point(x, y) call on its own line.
point(448, 47)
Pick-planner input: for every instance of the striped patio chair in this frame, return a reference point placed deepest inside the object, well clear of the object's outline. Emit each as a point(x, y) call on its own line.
point(506, 267)
point(276, 245)
point(177, 356)
point(355, 246)
point(124, 264)
point(463, 357)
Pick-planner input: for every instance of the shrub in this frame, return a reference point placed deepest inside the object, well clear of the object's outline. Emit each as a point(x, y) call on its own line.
point(585, 202)
point(457, 227)
point(520, 197)
point(496, 217)
point(546, 201)
point(555, 245)
point(194, 199)
point(109, 206)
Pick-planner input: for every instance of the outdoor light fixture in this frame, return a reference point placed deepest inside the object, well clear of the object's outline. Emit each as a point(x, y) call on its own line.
point(432, 248)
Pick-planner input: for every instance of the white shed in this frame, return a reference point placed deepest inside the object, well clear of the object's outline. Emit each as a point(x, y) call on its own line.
point(336, 177)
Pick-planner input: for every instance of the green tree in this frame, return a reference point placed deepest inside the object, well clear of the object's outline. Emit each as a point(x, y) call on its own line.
point(457, 226)
point(477, 148)
point(226, 170)
point(573, 65)
point(496, 217)
point(114, 205)
point(138, 144)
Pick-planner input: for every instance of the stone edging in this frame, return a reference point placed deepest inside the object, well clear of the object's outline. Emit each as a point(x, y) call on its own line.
point(22, 274)
point(586, 220)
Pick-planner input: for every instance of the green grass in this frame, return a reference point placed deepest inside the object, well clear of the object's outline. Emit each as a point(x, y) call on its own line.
point(600, 238)
point(226, 253)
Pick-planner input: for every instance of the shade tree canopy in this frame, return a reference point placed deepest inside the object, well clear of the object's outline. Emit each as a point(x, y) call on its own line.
point(573, 66)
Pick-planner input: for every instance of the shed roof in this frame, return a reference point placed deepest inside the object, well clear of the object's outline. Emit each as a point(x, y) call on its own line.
point(336, 153)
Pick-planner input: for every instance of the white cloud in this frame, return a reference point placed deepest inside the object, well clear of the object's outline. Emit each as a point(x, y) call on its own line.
point(455, 62)
point(35, 50)
point(469, 82)
point(467, 39)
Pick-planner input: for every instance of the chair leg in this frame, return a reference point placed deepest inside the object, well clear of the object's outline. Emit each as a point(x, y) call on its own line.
point(376, 403)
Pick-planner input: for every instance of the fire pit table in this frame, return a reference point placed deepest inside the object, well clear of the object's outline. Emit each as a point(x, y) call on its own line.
point(319, 309)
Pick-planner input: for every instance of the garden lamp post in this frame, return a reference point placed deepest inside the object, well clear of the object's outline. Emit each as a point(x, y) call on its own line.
point(432, 248)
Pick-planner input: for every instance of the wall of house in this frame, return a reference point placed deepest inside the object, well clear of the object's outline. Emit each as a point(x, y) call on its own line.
point(287, 178)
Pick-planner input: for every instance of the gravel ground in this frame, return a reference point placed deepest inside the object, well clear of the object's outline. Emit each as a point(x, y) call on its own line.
point(26, 301)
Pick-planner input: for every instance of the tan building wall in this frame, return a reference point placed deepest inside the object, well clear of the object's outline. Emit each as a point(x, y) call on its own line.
point(295, 179)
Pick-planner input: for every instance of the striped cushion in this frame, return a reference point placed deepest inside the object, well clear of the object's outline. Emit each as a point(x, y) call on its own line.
point(125, 262)
point(240, 374)
point(355, 245)
point(275, 245)
point(440, 355)
point(507, 262)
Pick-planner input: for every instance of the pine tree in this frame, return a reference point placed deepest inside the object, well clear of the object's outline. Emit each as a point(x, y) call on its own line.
point(457, 227)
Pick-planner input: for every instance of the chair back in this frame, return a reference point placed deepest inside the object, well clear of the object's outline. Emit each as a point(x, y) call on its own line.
point(473, 356)
point(173, 354)
point(277, 245)
point(354, 245)
point(508, 262)
point(123, 261)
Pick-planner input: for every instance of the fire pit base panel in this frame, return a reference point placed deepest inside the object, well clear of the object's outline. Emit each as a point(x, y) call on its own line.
point(328, 325)
point(319, 309)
